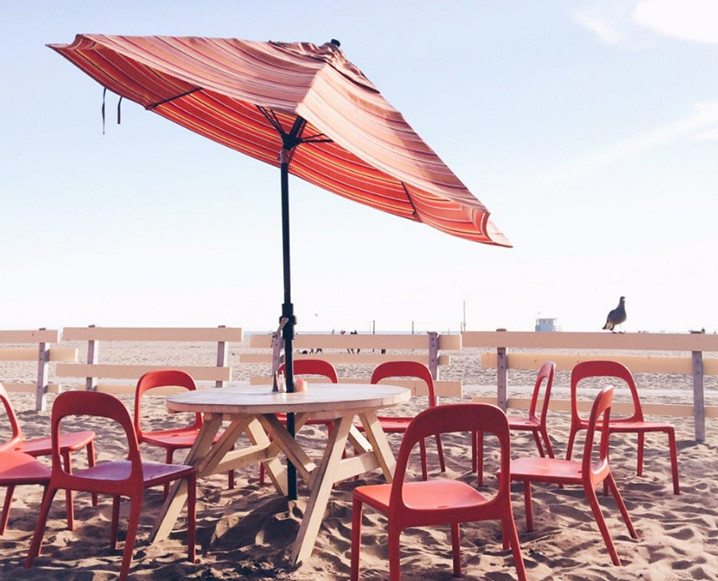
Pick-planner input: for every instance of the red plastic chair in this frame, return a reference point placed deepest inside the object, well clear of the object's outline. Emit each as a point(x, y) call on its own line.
point(17, 469)
point(307, 367)
point(533, 423)
point(118, 478)
point(397, 424)
point(440, 501)
point(311, 367)
point(587, 473)
point(71, 442)
point(633, 424)
point(175, 438)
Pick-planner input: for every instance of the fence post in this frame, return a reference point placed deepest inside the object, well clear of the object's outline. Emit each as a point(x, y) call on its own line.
point(222, 354)
point(434, 354)
point(699, 410)
point(93, 349)
point(502, 366)
point(43, 357)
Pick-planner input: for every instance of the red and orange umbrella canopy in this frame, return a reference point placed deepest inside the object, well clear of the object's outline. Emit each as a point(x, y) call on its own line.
point(247, 94)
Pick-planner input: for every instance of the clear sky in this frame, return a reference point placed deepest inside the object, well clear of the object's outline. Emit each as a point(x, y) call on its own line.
point(588, 128)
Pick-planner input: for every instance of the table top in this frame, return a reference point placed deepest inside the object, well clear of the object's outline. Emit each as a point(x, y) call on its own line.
point(318, 397)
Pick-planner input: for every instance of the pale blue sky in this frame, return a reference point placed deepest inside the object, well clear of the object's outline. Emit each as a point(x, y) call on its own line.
point(588, 128)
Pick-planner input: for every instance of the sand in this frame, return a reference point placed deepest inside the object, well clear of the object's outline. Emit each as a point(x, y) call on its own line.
point(246, 533)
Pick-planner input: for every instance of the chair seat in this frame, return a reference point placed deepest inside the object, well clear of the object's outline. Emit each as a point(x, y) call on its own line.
point(71, 442)
point(630, 425)
point(519, 423)
point(636, 426)
point(177, 438)
point(153, 472)
point(394, 424)
point(430, 495)
point(546, 470)
point(18, 468)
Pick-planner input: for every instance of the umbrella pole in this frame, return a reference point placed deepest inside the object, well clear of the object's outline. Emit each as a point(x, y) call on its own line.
point(288, 312)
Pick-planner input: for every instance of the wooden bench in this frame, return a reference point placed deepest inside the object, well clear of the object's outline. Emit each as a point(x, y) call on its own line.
point(363, 349)
point(93, 370)
point(33, 348)
point(691, 362)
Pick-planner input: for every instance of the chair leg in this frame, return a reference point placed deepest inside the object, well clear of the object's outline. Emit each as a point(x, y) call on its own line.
point(528, 506)
point(569, 447)
point(6, 508)
point(674, 459)
point(456, 548)
point(69, 507)
point(539, 446)
point(547, 441)
point(639, 461)
point(480, 458)
point(440, 450)
point(90, 464)
point(115, 522)
point(168, 460)
point(598, 515)
point(192, 517)
point(36, 543)
point(621, 505)
point(422, 454)
point(357, 508)
point(511, 536)
point(473, 451)
point(135, 510)
point(394, 553)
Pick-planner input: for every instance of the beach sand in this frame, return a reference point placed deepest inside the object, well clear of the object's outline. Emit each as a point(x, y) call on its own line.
point(247, 533)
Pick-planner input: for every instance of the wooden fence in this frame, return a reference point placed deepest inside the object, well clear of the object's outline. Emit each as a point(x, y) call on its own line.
point(34, 348)
point(687, 358)
point(664, 353)
point(364, 349)
point(93, 370)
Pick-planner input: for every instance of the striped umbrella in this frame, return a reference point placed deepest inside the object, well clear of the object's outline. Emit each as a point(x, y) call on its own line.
point(304, 108)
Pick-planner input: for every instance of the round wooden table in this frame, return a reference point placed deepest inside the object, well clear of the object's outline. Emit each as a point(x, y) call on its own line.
point(252, 410)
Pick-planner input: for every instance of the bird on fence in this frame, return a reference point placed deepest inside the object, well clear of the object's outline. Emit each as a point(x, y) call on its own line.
point(616, 316)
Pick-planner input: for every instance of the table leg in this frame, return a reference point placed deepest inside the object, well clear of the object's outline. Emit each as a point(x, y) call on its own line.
point(178, 492)
point(207, 466)
point(276, 471)
point(377, 437)
point(323, 479)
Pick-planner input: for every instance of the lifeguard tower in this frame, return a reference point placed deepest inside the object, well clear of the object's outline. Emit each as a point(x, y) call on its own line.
point(547, 325)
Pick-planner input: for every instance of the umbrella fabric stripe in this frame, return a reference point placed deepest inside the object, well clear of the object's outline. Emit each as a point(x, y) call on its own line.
point(376, 158)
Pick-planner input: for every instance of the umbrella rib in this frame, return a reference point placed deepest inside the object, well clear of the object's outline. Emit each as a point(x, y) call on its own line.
point(155, 105)
point(408, 197)
point(273, 119)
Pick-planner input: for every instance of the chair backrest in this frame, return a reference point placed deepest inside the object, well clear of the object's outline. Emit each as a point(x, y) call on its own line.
point(17, 436)
point(545, 374)
point(463, 417)
point(600, 413)
point(313, 367)
point(94, 404)
point(604, 368)
point(390, 369)
point(161, 378)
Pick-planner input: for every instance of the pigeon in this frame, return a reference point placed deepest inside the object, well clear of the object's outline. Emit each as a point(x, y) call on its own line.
point(616, 316)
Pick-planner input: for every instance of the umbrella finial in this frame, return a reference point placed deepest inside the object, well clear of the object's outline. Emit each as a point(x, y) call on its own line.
point(335, 42)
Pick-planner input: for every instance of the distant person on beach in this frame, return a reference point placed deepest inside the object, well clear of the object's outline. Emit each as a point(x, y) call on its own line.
point(355, 332)
point(617, 316)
